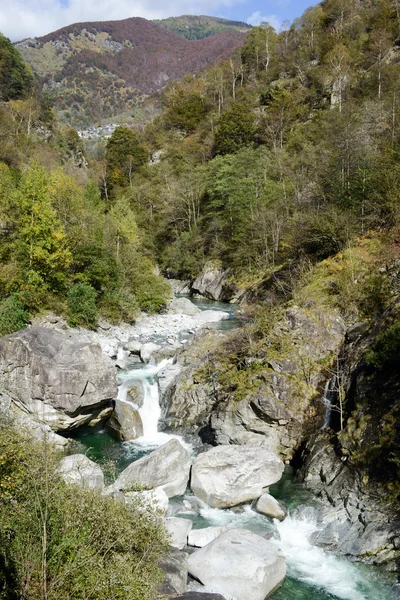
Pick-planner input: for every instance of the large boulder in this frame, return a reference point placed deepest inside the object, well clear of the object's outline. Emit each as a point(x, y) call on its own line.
point(202, 537)
point(183, 306)
point(175, 568)
point(178, 530)
point(213, 283)
point(125, 421)
point(230, 475)
point(79, 469)
point(167, 467)
point(241, 564)
point(60, 378)
point(152, 500)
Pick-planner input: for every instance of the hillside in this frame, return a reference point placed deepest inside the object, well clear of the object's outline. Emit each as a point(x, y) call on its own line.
point(194, 27)
point(98, 70)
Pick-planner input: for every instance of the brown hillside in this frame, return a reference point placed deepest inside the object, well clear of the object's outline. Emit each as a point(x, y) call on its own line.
point(99, 69)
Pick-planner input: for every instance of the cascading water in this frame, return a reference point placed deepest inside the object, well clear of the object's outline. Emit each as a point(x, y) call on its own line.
point(327, 400)
point(150, 410)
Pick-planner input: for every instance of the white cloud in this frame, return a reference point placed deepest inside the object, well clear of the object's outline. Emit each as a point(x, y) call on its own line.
point(257, 18)
point(27, 18)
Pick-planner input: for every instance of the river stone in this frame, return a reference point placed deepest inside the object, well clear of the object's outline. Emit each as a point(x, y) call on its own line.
point(202, 537)
point(183, 306)
point(147, 351)
point(210, 282)
point(125, 421)
point(226, 476)
point(79, 469)
point(239, 563)
point(176, 572)
point(178, 530)
point(136, 392)
point(167, 467)
point(59, 377)
point(267, 505)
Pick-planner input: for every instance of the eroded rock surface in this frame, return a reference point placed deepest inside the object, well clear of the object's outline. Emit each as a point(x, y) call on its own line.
point(60, 378)
point(226, 476)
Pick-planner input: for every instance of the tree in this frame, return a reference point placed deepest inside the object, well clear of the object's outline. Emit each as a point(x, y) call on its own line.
point(42, 245)
point(184, 110)
point(16, 78)
point(235, 129)
point(124, 156)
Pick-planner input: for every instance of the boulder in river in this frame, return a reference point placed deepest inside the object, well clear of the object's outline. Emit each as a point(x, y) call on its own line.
point(59, 377)
point(125, 421)
point(168, 467)
point(226, 476)
point(202, 537)
point(178, 530)
point(183, 306)
point(270, 507)
point(241, 564)
point(79, 469)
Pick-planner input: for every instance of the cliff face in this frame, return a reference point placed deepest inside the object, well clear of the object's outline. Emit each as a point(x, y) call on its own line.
point(96, 70)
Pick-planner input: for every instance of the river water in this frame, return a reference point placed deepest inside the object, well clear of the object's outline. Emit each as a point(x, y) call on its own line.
point(313, 574)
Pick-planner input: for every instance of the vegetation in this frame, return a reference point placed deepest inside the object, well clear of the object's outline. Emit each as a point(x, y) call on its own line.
point(193, 27)
point(16, 79)
point(62, 540)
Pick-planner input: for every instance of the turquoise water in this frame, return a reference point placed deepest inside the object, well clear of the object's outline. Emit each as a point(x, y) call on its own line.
point(312, 573)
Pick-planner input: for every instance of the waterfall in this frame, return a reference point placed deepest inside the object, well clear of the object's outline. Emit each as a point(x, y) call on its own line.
point(327, 400)
point(150, 410)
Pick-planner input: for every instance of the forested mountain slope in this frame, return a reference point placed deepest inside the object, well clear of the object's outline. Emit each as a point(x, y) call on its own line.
point(97, 70)
point(194, 27)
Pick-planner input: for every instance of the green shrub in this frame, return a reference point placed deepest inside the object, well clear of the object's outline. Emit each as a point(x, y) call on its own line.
point(64, 541)
point(386, 350)
point(13, 315)
point(82, 310)
point(119, 306)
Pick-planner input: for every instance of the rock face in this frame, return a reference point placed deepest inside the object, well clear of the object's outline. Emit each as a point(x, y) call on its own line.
point(240, 564)
point(168, 468)
point(178, 530)
point(284, 407)
point(213, 283)
point(230, 475)
point(125, 422)
point(79, 469)
point(60, 378)
point(176, 572)
point(352, 518)
point(267, 505)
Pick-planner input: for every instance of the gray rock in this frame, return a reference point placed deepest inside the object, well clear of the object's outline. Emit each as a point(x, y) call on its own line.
point(153, 500)
point(136, 393)
point(176, 572)
point(80, 470)
point(179, 287)
point(202, 537)
point(226, 476)
point(133, 347)
point(60, 378)
point(183, 306)
point(125, 422)
point(270, 507)
point(178, 530)
point(239, 563)
point(213, 283)
point(147, 351)
point(168, 467)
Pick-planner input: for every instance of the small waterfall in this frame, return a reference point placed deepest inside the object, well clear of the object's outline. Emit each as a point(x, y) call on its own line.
point(150, 411)
point(327, 400)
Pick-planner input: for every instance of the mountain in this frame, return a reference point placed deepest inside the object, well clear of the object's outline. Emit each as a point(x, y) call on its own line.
point(194, 27)
point(100, 69)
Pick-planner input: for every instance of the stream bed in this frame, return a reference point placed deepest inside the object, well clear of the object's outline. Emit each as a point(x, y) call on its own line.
point(313, 574)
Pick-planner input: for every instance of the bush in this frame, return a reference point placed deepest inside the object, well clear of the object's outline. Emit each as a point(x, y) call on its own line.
point(119, 306)
point(82, 310)
point(13, 315)
point(60, 540)
point(386, 350)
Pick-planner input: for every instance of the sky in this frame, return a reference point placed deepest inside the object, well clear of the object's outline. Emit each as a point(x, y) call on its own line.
point(20, 19)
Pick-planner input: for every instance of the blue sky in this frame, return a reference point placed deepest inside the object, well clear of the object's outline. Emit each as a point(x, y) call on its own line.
point(20, 19)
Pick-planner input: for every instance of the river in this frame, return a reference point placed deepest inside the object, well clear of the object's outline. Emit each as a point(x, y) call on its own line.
point(313, 574)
